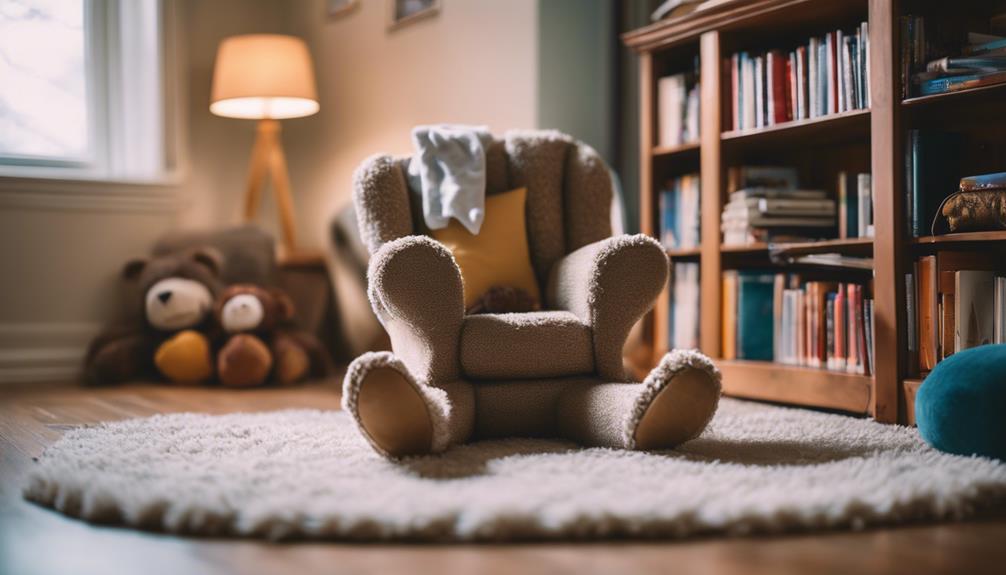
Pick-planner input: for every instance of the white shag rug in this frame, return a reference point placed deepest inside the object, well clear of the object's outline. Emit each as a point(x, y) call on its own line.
point(306, 474)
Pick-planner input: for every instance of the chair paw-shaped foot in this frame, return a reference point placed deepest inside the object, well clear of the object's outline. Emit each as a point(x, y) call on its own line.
point(680, 409)
point(390, 410)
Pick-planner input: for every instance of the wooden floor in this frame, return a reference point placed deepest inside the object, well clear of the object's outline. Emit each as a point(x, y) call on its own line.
point(35, 540)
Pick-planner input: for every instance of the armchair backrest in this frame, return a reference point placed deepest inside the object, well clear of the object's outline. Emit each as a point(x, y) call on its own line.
point(568, 202)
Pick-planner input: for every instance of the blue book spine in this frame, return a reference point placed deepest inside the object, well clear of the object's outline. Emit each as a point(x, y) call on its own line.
point(941, 85)
point(755, 299)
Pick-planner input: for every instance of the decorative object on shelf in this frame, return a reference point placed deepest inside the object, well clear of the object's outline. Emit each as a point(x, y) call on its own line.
point(960, 406)
point(266, 77)
point(339, 8)
point(980, 205)
point(166, 328)
point(404, 12)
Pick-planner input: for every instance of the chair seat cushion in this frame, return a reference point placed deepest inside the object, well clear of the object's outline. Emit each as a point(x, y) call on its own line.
point(525, 345)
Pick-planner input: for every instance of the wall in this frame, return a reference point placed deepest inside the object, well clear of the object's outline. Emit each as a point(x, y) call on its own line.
point(473, 63)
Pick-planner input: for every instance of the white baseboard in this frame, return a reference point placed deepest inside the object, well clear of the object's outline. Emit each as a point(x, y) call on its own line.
point(43, 352)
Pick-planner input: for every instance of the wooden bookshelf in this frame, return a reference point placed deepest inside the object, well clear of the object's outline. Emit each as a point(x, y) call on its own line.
point(868, 140)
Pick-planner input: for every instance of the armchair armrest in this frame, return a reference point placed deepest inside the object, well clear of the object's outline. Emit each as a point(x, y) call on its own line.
point(414, 286)
point(609, 285)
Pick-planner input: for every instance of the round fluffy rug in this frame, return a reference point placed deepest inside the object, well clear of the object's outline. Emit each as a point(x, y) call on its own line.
point(307, 474)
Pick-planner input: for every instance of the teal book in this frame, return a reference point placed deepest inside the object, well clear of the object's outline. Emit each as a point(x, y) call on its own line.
point(755, 298)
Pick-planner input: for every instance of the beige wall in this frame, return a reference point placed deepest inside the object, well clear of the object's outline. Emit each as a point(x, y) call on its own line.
point(474, 63)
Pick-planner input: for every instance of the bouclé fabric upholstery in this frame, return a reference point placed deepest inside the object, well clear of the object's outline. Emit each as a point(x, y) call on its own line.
point(556, 372)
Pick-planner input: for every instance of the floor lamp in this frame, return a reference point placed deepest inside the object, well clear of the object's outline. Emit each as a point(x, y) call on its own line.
point(266, 77)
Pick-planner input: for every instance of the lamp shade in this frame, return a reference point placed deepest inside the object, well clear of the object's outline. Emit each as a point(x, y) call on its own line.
point(263, 76)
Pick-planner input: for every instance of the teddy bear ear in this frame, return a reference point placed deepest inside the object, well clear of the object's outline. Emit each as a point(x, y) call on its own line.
point(283, 303)
point(133, 268)
point(209, 258)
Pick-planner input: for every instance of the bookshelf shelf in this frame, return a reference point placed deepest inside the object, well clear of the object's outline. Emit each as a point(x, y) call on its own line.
point(687, 149)
point(807, 386)
point(830, 128)
point(991, 92)
point(979, 238)
point(858, 141)
point(849, 246)
point(755, 248)
point(686, 253)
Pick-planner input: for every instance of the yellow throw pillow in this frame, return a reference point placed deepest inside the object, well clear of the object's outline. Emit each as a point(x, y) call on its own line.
point(498, 255)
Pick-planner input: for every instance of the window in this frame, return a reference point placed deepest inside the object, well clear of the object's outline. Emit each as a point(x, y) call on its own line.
point(81, 89)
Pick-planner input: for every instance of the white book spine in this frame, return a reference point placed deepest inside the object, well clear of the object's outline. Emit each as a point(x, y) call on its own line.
point(864, 187)
point(840, 41)
point(812, 77)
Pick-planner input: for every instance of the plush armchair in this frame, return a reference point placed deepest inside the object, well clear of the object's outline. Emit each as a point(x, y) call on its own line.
point(453, 377)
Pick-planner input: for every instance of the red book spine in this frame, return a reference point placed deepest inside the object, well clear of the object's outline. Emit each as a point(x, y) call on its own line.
point(779, 90)
point(790, 89)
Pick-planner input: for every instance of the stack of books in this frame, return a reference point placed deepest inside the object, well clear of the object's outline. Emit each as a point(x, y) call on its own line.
point(767, 206)
point(825, 76)
point(779, 317)
point(678, 110)
point(855, 206)
point(679, 212)
point(932, 172)
point(684, 312)
point(956, 300)
point(932, 63)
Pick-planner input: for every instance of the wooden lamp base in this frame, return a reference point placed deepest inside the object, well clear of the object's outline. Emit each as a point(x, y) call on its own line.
point(269, 160)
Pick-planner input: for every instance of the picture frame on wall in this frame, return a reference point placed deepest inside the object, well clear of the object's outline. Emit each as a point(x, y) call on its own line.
point(339, 8)
point(404, 12)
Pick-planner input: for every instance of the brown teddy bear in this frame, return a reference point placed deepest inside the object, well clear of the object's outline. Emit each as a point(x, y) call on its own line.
point(167, 330)
point(262, 341)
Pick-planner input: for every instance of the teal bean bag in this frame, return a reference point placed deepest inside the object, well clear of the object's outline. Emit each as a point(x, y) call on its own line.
point(961, 406)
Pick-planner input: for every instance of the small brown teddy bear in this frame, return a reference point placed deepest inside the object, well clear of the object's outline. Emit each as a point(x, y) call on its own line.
point(166, 331)
point(261, 339)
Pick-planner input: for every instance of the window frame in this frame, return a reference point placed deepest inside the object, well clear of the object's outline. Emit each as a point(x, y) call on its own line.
point(111, 64)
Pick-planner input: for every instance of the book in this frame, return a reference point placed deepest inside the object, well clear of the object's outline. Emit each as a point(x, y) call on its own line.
point(743, 177)
point(932, 174)
point(679, 203)
point(864, 205)
point(999, 325)
point(754, 315)
point(848, 208)
point(677, 109)
point(729, 331)
point(685, 302)
point(928, 314)
point(956, 65)
point(974, 292)
point(787, 193)
point(996, 181)
point(824, 75)
point(870, 335)
point(948, 320)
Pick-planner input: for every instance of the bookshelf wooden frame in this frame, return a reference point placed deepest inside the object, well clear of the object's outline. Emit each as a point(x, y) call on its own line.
point(887, 395)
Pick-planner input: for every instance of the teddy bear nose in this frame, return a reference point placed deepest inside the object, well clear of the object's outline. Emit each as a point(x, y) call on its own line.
point(164, 296)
